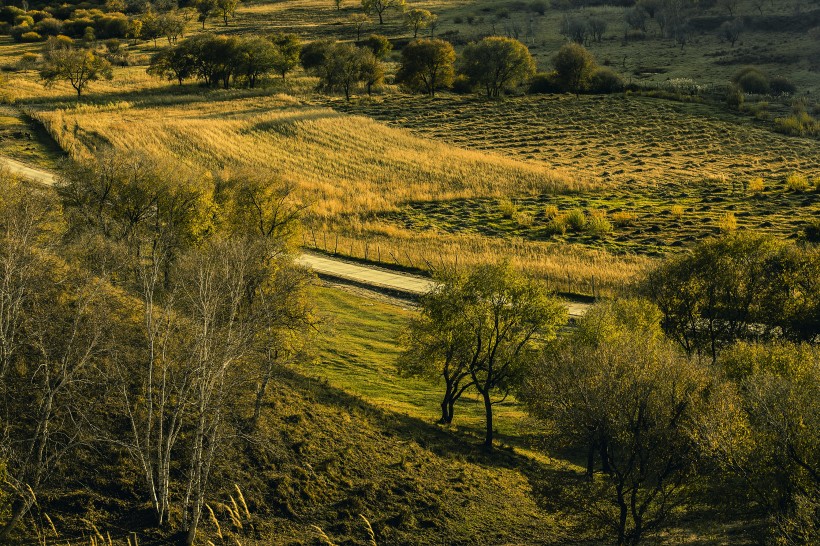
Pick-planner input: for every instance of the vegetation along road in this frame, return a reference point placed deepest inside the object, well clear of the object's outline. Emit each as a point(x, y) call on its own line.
point(403, 283)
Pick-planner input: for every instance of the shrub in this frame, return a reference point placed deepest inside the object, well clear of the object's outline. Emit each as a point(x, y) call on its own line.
point(755, 185)
point(623, 218)
point(797, 182)
point(598, 224)
point(606, 80)
point(31, 37)
point(545, 82)
point(752, 80)
point(576, 220)
point(550, 211)
point(49, 27)
point(633, 35)
point(782, 86)
point(538, 6)
point(24, 19)
point(378, 44)
point(557, 225)
point(507, 208)
point(727, 223)
point(524, 219)
point(676, 211)
point(28, 60)
point(734, 97)
point(462, 85)
point(812, 231)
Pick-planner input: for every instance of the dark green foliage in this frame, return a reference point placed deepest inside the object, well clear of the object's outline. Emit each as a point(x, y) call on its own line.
point(427, 66)
point(315, 54)
point(605, 80)
point(378, 44)
point(497, 64)
point(752, 80)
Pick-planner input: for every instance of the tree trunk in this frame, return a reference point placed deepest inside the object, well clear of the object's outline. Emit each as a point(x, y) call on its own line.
point(488, 411)
point(381, 21)
point(19, 509)
point(591, 460)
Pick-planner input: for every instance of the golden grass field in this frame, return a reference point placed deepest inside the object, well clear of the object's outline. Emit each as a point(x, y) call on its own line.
point(402, 179)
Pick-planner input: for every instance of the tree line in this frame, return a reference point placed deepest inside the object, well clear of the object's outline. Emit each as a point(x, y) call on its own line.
point(143, 319)
point(711, 371)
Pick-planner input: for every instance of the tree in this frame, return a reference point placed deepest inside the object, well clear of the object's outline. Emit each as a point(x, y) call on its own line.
point(503, 316)
point(174, 63)
point(417, 19)
point(435, 342)
point(50, 336)
point(730, 30)
point(741, 286)
point(359, 20)
point(227, 8)
point(729, 5)
point(256, 56)
point(597, 26)
point(171, 26)
point(338, 4)
point(772, 437)
point(372, 71)
point(574, 29)
point(288, 49)
point(378, 44)
point(497, 64)
point(315, 54)
point(205, 8)
point(575, 66)
point(343, 68)
point(380, 6)
point(427, 65)
point(618, 389)
point(78, 67)
point(636, 18)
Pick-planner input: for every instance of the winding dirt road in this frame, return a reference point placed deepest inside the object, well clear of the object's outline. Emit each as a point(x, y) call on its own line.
point(325, 266)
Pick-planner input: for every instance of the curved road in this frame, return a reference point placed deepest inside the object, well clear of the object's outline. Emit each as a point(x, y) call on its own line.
point(373, 277)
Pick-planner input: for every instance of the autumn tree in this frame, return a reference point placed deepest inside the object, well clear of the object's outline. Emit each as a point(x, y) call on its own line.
point(256, 56)
point(435, 343)
point(359, 20)
point(380, 6)
point(497, 64)
point(771, 436)
point(288, 48)
point(617, 389)
point(427, 65)
point(227, 8)
point(78, 67)
point(574, 66)
point(418, 19)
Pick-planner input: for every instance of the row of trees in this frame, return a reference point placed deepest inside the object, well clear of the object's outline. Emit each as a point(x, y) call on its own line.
point(629, 387)
point(217, 59)
point(497, 65)
point(142, 319)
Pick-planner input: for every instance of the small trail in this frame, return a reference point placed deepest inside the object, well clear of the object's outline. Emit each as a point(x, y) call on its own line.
point(366, 276)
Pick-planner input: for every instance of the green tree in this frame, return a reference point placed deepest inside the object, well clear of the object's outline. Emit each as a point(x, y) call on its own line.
point(427, 65)
point(315, 54)
point(504, 315)
point(205, 8)
point(288, 49)
point(378, 44)
point(418, 19)
point(78, 67)
point(359, 20)
point(174, 63)
point(435, 341)
point(618, 389)
point(575, 66)
point(380, 6)
point(497, 64)
point(255, 56)
point(772, 436)
point(343, 68)
point(227, 8)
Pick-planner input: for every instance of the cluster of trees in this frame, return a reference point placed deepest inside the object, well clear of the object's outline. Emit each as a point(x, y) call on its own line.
point(221, 60)
point(671, 16)
point(78, 66)
point(714, 374)
point(143, 317)
point(497, 65)
point(343, 66)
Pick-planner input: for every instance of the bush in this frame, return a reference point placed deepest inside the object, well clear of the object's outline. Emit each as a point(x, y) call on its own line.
point(557, 225)
point(538, 6)
point(378, 44)
point(507, 208)
point(801, 124)
point(24, 19)
point(623, 218)
point(28, 60)
point(545, 82)
point(49, 27)
point(755, 185)
point(576, 220)
point(633, 35)
point(727, 223)
point(5, 28)
point(9, 13)
point(812, 231)
point(606, 80)
point(734, 97)
point(598, 224)
point(462, 85)
point(797, 182)
point(752, 80)
point(31, 37)
point(782, 86)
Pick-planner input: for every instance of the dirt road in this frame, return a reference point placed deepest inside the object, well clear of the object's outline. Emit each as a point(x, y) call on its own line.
point(362, 275)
